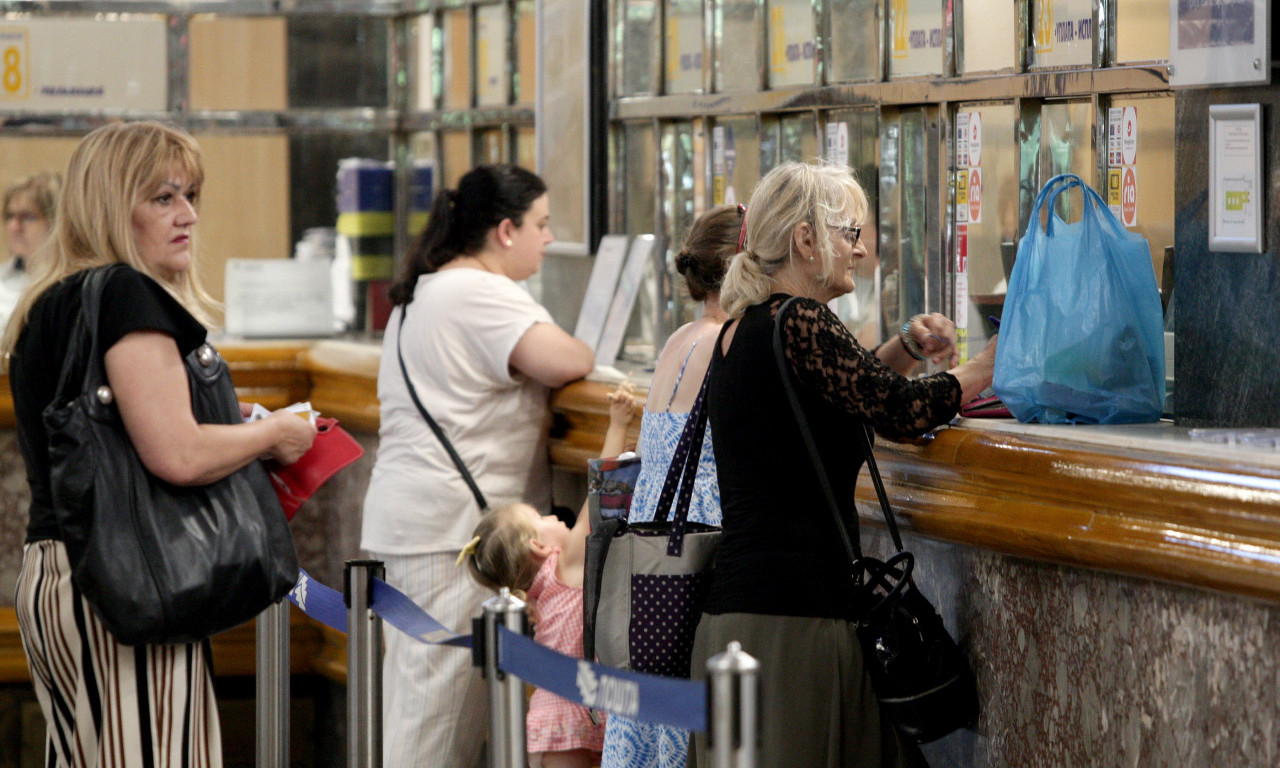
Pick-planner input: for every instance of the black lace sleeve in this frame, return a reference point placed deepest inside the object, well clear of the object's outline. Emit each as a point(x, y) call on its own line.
point(829, 362)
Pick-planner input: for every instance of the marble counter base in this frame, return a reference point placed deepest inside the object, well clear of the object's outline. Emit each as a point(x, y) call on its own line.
point(1082, 668)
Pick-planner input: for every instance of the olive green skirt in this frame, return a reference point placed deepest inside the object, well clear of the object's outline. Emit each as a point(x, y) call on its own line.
point(817, 707)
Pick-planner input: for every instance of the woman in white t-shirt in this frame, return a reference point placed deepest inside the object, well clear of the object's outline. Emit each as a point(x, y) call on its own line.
point(482, 356)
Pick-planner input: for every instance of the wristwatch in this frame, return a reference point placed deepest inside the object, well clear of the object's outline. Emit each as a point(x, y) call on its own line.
point(908, 343)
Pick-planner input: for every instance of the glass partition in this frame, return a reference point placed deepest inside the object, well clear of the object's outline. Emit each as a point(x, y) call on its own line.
point(456, 55)
point(1063, 33)
point(526, 59)
point(852, 138)
point(989, 39)
point(1140, 186)
point(238, 63)
point(793, 45)
point(918, 32)
point(735, 159)
point(493, 84)
point(985, 216)
point(799, 134)
point(635, 47)
point(1142, 30)
point(736, 36)
point(338, 61)
point(639, 158)
point(425, 70)
point(684, 49)
point(853, 50)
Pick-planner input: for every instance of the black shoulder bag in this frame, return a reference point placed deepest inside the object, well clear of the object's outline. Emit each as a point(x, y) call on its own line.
point(435, 428)
point(158, 563)
point(923, 681)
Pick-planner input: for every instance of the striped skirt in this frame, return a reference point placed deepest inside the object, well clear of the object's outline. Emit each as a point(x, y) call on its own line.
point(108, 705)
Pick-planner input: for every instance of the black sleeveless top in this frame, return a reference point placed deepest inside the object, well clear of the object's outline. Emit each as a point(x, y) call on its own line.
point(780, 552)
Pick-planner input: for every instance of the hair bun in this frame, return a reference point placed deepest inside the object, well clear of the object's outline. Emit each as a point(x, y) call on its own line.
point(685, 262)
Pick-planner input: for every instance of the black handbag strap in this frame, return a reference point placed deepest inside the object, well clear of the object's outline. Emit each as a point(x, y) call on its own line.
point(684, 471)
point(851, 543)
point(439, 433)
point(84, 338)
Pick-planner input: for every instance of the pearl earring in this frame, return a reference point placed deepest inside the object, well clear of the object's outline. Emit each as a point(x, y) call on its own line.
point(508, 243)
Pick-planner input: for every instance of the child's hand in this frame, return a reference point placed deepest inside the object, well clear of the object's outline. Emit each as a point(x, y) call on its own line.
point(622, 404)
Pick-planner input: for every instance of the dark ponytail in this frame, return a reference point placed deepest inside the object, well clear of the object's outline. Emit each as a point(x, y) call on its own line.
point(461, 220)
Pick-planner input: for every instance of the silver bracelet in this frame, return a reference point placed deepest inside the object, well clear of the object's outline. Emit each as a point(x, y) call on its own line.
point(908, 343)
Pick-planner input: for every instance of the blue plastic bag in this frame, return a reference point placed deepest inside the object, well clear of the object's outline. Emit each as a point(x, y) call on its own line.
point(1081, 336)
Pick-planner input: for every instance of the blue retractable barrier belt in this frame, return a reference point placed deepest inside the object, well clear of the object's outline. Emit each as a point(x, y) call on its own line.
point(402, 613)
point(324, 604)
point(648, 698)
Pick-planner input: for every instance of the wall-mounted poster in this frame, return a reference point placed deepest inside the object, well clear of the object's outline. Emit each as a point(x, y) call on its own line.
point(1235, 178)
point(917, 39)
point(1218, 42)
point(1062, 33)
point(84, 64)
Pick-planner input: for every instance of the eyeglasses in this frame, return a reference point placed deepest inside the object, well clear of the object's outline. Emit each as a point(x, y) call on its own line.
point(742, 233)
point(22, 217)
point(850, 234)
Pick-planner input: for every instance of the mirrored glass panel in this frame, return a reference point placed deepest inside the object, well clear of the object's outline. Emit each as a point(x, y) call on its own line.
point(1142, 30)
point(426, 76)
point(1066, 146)
point(313, 173)
point(989, 41)
point(684, 48)
point(735, 159)
point(527, 147)
point(736, 37)
point(799, 137)
point(493, 84)
point(904, 198)
point(1140, 188)
point(639, 161)
point(238, 63)
point(770, 143)
point(338, 61)
point(985, 215)
point(491, 146)
point(681, 148)
point(456, 25)
point(526, 75)
point(917, 38)
point(852, 138)
point(793, 44)
point(562, 150)
point(636, 51)
point(1062, 33)
point(853, 52)
point(455, 153)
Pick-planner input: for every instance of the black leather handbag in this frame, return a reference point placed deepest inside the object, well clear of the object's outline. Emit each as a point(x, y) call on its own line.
point(158, 563)
point(923, 681)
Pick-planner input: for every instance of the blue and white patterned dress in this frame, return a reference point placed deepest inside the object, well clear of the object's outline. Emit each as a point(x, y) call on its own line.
point(627, 743)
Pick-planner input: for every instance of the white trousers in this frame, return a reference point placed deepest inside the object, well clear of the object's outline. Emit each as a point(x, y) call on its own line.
point(435, 706)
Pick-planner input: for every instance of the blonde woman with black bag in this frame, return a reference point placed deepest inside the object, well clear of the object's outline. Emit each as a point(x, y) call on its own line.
point(782, 583)
point(126, 221)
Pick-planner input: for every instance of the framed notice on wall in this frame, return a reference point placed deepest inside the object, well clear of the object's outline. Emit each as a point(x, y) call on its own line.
point(1235, 178)
point(1219, 42)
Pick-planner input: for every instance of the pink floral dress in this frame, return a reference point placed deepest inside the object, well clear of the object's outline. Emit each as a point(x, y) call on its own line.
point(555, 724)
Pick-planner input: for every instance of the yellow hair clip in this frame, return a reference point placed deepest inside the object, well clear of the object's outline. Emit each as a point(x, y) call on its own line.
point(468, 549)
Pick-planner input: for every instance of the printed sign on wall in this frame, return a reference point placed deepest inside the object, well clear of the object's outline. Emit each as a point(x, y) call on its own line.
point(84, 64)
point(1062, 32)
point(917, 37)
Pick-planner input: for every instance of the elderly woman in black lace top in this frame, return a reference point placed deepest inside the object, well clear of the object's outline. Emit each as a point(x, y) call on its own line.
point(781, 585)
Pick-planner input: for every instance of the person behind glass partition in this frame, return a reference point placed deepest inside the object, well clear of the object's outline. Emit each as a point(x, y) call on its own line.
point(781, 585)
point(481, 356)
point(713, 239)
point(29, 206)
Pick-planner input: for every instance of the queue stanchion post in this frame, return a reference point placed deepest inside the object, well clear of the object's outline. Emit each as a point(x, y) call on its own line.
point(364, 665)
point(733, 730)
point(272, 680)
point(506, 691)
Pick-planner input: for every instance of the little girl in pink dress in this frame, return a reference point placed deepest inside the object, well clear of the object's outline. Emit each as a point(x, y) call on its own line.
point(540, 558)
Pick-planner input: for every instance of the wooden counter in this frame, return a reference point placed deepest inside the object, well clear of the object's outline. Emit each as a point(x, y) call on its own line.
point(1201, 517)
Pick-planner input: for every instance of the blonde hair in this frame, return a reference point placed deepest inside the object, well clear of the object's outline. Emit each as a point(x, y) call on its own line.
point(112, 170)
point(824, 196)
point(503, 556)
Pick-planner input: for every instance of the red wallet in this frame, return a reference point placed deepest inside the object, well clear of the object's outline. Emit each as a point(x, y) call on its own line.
point(333, 449)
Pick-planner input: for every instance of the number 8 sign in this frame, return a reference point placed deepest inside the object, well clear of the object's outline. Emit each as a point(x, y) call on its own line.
point(13, 56)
